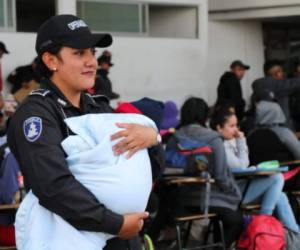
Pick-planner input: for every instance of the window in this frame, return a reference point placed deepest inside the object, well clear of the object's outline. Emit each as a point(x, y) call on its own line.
point(112, 17)
point(154, 20)
point(29, 18)
point(6, 14)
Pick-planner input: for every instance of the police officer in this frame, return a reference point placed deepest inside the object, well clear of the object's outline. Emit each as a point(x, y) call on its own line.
point(65, 48)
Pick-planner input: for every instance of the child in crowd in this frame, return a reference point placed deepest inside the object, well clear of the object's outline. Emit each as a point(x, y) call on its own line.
point(268, 189)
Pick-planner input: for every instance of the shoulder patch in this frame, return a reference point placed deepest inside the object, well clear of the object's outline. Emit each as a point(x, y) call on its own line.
point(61, 102)
point(32, 128)
point(40, 92)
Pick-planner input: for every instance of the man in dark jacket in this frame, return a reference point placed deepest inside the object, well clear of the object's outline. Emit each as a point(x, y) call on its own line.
point(229, 89)
point(280, 87)
point(103, 85)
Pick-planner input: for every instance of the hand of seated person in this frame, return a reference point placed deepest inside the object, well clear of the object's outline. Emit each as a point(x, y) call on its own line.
point(132, 225)
point(135, 137)
point(239, 134)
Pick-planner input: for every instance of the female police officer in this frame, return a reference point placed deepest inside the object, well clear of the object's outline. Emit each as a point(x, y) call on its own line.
point(65, 47)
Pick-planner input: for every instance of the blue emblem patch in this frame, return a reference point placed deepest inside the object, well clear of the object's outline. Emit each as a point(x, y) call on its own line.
point(32, 128)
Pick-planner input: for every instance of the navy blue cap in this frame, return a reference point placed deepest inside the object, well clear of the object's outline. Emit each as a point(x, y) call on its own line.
point(69, 31)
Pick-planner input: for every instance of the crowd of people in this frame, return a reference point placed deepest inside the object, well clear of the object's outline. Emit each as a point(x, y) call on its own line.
point(66, 81)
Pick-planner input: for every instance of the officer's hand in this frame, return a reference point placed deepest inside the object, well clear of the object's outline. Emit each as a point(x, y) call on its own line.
point(135, 137)
point(133, 223)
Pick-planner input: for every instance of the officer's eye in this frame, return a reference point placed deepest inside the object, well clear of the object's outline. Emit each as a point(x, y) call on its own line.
point(79, 52)
point(93, 50)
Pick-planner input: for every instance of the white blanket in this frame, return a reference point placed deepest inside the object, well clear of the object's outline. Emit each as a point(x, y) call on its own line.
point(122, 185)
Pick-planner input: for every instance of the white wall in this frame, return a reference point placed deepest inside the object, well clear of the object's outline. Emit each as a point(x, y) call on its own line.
point(173, 22)
point(241, 4)
point(160, 68)
point(252, 9)
point(231, 40)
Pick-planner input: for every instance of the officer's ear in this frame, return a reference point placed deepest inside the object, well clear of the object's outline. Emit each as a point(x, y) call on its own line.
point(50, 60)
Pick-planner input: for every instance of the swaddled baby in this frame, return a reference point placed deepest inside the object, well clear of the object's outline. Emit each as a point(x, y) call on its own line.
point(122, 185)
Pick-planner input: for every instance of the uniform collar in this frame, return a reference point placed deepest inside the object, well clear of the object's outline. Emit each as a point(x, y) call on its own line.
point(85, 99)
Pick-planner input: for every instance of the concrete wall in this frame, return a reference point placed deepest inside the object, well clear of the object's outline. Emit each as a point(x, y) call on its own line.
point(244, 4)
point(161, 68)
point(252, 9)
point(173, 22)
point(231, 40)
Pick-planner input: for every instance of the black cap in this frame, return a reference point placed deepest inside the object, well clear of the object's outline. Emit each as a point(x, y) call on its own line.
point(239, 63)
point(3, 48)
point(104, 59)
point(70, 31)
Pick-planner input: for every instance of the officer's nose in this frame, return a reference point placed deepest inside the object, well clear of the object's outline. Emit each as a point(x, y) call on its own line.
point(90, 60)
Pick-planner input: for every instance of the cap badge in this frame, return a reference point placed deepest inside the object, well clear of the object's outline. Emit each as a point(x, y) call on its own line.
point(76, 24)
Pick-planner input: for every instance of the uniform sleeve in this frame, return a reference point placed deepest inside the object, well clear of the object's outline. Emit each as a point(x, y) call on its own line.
point(42, 160)
point(157, 159)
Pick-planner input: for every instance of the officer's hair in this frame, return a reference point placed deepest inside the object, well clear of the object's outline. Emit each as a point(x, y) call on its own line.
point(41, 67)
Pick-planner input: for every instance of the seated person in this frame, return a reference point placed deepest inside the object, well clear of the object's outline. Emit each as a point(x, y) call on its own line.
point(270, 115)
point(225, 194)
point(122, 184)
point(267, 189)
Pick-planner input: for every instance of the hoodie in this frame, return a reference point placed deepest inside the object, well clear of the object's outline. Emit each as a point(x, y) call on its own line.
point(270, 115)
point(225, 192)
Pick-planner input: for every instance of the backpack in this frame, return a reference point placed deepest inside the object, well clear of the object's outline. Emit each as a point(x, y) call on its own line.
point(264, 232)
point(193, 156)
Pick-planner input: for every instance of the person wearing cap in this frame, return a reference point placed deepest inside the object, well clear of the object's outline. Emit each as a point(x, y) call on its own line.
point(278, 86)
point(103, 85)
point(66, 60)
point(22, 76)
point(230, 90)
point(3, 49)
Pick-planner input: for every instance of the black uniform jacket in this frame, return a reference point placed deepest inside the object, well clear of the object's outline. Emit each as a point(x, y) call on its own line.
point(35, 134)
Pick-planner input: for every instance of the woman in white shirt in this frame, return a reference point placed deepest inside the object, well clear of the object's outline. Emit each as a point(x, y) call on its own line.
point(267, 190)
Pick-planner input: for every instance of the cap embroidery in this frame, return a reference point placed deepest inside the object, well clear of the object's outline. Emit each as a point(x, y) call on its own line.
point(76, 24)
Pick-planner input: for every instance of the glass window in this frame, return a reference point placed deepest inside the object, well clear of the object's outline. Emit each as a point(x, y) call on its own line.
point(32, 13)
point(112, 17)
point(10, 10)
point(7, 8)
point(2, 13)
point(147, 19)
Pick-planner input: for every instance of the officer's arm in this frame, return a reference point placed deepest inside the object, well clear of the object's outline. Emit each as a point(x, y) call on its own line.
point(43, 164)
point(156, 154)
